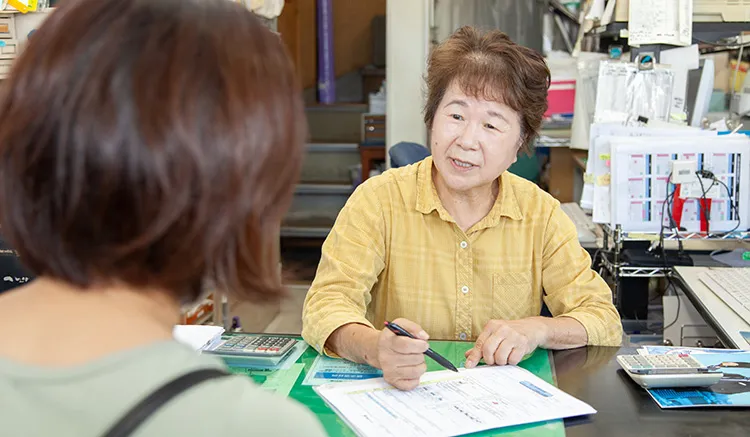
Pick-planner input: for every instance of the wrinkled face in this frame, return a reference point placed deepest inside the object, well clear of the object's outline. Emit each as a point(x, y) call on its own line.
point(473, 140)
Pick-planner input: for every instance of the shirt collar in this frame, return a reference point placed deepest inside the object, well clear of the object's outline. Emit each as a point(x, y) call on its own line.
point(506, 204)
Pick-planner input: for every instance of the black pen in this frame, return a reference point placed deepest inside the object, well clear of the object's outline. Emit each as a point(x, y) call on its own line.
point(429, 352)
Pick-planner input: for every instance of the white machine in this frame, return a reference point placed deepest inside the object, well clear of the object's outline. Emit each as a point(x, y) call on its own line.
point(731, 286)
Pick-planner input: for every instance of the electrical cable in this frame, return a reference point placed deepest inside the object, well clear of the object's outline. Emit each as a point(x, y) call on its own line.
point(732, 205)
point(704, 192)
point(669, 199)
point(677, 315)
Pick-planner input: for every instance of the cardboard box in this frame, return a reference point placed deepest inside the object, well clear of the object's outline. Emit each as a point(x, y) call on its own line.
point(723, 73)
point(621, 10)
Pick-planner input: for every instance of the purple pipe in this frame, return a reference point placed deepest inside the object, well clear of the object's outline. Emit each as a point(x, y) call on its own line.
point(326, 72)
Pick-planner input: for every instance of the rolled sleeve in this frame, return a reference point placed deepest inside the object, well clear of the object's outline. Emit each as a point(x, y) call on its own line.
point(352, 258)
point(572, 289)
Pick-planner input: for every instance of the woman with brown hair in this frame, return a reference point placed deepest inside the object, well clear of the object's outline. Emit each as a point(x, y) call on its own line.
point(145, 147)
point(455, 245)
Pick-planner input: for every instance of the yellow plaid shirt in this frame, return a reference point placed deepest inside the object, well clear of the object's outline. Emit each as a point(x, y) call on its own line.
point(394, 251)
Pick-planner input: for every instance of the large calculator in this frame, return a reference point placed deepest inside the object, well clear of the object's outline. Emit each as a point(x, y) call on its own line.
point(660, 364)
point(659, 371)
point(252, 346)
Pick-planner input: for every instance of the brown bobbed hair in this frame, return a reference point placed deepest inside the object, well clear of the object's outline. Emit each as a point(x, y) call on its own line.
point(151, 143)
point(489, 65)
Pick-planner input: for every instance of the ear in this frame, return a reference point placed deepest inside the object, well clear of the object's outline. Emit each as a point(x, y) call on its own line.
point(518, 149)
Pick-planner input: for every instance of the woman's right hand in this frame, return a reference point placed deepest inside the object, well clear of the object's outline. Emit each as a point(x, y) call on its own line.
point(402, 358)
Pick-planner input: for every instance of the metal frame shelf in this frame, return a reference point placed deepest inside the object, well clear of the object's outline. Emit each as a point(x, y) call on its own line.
point(680, 235)
point(627, 271)
point(619, 29)
point(702, 30)
point(613, 240)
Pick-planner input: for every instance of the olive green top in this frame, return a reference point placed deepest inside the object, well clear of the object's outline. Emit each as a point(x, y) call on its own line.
point(86, 400)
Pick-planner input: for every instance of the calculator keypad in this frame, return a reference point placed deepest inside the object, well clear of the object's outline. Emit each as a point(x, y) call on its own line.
point(256, 345)
point(650, 363)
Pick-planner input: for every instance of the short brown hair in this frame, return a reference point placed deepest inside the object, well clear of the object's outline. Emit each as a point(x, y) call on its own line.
point(490, 65)
point(151, 143)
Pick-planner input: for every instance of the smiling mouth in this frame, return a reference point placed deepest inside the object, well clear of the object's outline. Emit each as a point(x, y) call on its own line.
point(462, 164)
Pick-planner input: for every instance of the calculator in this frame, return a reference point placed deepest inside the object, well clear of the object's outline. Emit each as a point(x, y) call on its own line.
point(660, 371)
point(660, 364)
point(252, 346)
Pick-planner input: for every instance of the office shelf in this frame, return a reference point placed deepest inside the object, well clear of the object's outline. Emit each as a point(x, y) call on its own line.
point(304, 232)
point(619, 29)
point(706, 31)
point(627, 271)
point(324, 189)
point(333, 147)
point(611, 262)
point(678, 235)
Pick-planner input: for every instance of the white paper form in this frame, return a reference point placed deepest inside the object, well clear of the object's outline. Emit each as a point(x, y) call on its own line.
point(589, 181)
point(709, 151)
point(660, 22)
point(449, 404)
point(600, 158)
point(587, 194)
point(602, 175)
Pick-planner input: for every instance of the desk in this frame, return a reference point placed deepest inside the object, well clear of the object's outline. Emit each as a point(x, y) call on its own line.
point(714, 311)
point(590, 374)
point(626, 410)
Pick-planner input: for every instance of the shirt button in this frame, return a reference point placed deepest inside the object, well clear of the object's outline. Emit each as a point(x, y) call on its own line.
point(464, 289)
point(462, 336)
point(464, 245)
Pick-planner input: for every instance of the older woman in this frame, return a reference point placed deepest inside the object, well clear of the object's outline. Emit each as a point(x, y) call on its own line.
point(146, 146)
point(456, 246)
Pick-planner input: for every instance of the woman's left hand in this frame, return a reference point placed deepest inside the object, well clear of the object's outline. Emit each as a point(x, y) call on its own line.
point(506, 342)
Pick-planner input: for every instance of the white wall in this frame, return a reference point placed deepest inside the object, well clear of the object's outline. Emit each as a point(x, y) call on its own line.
point(407, 45)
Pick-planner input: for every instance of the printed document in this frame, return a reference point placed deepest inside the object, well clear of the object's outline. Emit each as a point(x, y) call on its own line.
point(450, 404)
point(660, 22)
point(325, 370)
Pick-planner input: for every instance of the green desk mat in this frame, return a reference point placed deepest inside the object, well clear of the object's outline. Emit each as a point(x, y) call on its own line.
point(538, 363)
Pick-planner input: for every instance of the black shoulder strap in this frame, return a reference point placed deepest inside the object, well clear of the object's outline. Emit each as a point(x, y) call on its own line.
point(148, 406)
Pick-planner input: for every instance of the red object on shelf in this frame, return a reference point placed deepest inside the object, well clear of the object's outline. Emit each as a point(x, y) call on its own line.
point(199, 312)
point(678, 204)
point(561, 97)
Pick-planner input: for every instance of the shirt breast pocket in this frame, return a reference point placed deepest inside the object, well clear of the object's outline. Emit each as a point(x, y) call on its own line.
point(514, 296)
